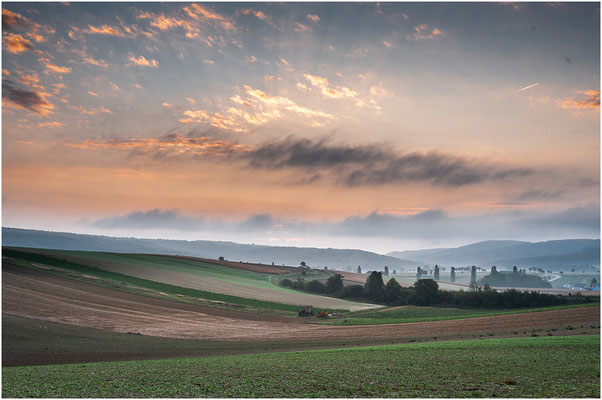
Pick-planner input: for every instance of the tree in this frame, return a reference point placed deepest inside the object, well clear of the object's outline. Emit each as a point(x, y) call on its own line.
point(334, 283)
point(374, 288)
point(386, 271)
point(315, 286)
point(392, 291)
point(359, 269)
point(303, 264)
point(453, 274)
point(436, 274)
point(425, 292)
point(394, 272)
point(493, 270)
point(473, 276)
point(221, 258)
point(419, 273)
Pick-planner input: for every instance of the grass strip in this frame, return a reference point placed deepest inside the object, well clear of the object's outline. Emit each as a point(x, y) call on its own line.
point(542, 367)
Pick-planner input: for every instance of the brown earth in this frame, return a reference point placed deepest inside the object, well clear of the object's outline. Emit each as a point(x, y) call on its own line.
point(38, 295)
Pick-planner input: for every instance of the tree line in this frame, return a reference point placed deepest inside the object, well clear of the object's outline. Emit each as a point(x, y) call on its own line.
point(426, 292)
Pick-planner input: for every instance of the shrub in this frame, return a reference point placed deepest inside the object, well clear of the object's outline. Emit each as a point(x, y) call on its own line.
point(286, 282)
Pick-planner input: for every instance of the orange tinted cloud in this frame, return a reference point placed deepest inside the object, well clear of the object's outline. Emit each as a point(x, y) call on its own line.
point(169, 144)
point(257, 14)
point(91, 93)
point(423, 32)
point(16, 44)
point(577, 103)
point(313, 18)
point(332, 92)
point(197, 11)
point(104, 30)
point(53, 124)
point(98, 63)
point(143, 62)
point(12, 20)
point(52, 68)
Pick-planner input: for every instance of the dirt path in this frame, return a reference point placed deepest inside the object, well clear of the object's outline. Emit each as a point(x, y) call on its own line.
point(37, 295)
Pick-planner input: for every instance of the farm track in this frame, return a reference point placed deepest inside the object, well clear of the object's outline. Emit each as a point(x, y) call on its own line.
point(192, 281)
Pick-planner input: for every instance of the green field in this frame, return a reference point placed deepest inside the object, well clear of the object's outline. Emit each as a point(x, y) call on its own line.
point(144, 286)
point(563, 366)
point(406, 314)
point(192, 267)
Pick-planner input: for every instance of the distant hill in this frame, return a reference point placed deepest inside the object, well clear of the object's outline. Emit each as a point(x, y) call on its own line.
point(313, 257)
point(555, 254)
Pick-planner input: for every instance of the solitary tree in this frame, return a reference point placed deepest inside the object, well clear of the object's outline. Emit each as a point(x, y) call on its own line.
point(303, 264)
point(394, 272)
point(493, 270)
point(453, 274)
point(359, 269)
point(436, 274)
point(473, 276)
point(221, 258)
point(419, 273)
point(374, 288)
point(386, 271)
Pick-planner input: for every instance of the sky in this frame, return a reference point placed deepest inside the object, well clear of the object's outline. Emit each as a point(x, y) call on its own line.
point(378, 126)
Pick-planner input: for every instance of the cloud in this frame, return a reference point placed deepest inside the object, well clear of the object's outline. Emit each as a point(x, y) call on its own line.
point(12, 21)
point(257, 14)
point(53, 124)
point(587, 99)
point(365, 165)
point(429, 225)
point(141, 61)
point(165, 146)
point(151, 219)
point(92, 61)
point(104, 30)
point(16, 44)
point(197, 11)
point(331, 92)
point(424, 32)
point(91, 93)
point(313, 18)
point(26, 99)
point(52, 68)
point(302, 28)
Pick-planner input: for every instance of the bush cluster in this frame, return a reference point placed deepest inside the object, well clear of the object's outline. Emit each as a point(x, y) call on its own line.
point(425, 292)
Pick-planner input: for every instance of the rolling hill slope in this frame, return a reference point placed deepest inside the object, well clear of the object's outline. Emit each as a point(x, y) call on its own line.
point(314, 257)
point(555, 254)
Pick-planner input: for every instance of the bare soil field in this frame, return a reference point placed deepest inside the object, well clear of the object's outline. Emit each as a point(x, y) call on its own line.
point(279, 295)
point(37, 295)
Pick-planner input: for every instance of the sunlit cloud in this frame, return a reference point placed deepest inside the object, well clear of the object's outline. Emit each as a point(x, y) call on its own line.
point(257, 14)
point(197, 11)
point(52, 68)
point(16, 44)
point(587, 99)
point(302, 28)
point(141, 61)
point(53, 124)
point(332, 92)
point(91, 93)
point(104, 30)
point(167, 145)
point(313, 18)
point(424, 32)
